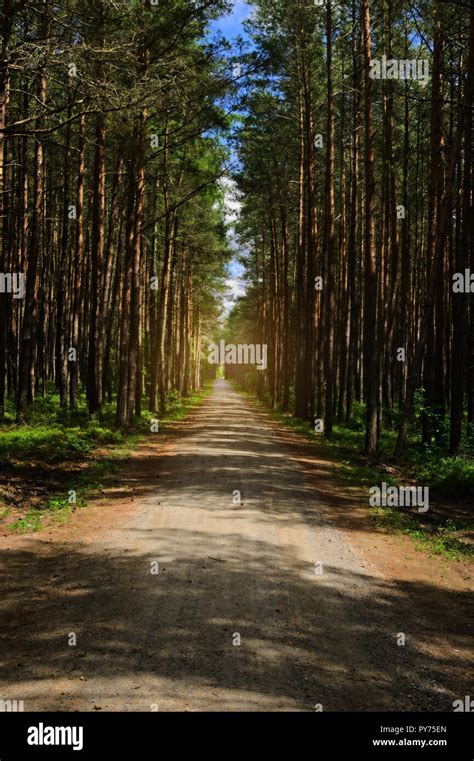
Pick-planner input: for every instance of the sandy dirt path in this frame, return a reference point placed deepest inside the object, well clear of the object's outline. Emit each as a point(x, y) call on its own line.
point(317, 622)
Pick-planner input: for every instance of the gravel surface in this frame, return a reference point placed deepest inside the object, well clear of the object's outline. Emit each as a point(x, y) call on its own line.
point(259, 602)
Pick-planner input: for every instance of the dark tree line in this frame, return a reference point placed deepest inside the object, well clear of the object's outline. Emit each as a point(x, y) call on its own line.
point(111, 206)
point(357, 191)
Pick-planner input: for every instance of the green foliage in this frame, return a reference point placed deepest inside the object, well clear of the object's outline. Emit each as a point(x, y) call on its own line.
point(51, 444)
point(30, 523)
point(449, 476)
point(439, 542)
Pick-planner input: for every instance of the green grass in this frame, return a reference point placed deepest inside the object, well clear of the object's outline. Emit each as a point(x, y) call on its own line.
point(30, 523)
point(53, 443)
point(449, 476)
point(441, 542)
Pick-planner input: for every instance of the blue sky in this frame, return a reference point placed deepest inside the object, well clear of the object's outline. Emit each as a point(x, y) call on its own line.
point(230, 26)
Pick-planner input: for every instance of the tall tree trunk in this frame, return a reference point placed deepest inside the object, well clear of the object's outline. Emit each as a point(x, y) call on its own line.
point(95, 353)
point(434, 197)
point(433, 284)
point(370, 290)
point(4, 193)
point(353, 243)
point(458, 361)
point(78, 265)
point(122, 415)
point(329, 286)
point(61, 313)
point(134, 350)
point(29, 327)
point(94, 390)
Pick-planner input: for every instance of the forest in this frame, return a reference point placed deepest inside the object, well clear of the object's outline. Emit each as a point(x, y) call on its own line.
point(236, 356)
point(111, 206)
point(347, 130)
point(357, 212)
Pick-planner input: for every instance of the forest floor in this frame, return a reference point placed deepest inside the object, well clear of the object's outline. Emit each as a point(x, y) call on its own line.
point(255, 538)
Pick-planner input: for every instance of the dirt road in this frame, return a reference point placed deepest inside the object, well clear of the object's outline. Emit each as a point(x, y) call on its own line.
point(259, 602)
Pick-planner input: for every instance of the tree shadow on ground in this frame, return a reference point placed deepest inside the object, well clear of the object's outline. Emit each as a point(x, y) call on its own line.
point(304, 640)
point(167, 640)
